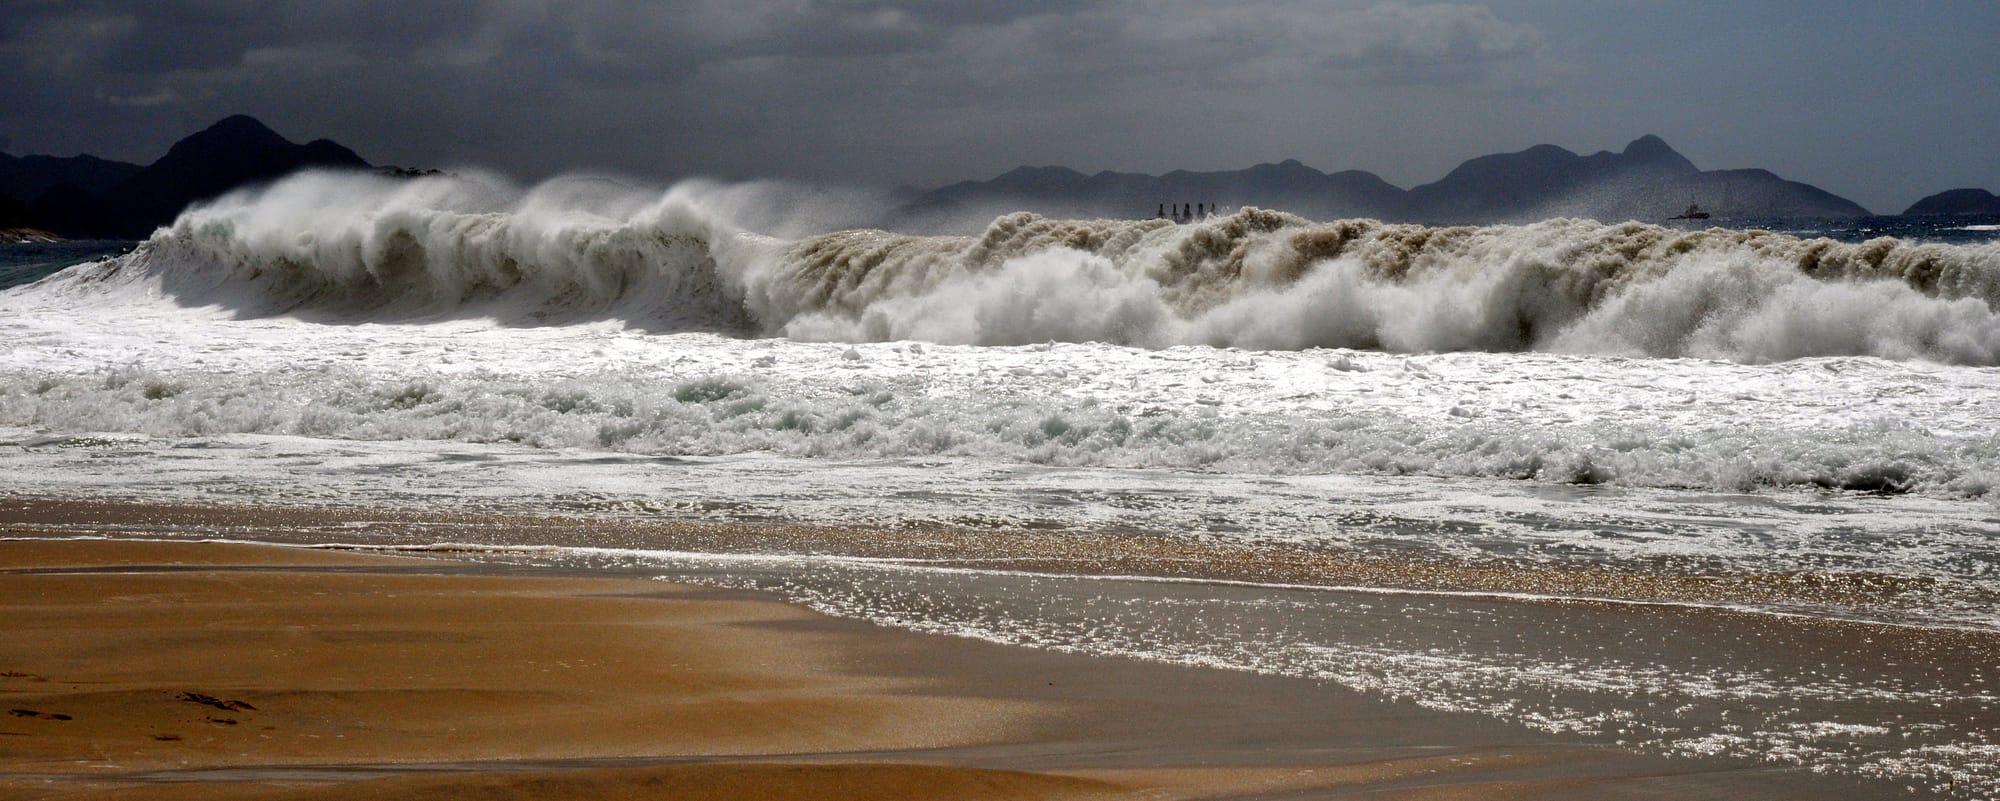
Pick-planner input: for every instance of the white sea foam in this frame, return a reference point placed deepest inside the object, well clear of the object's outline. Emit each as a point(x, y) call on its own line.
point(352, 308)
point(1265, 281)
point(359, 248)
point(1852, 424)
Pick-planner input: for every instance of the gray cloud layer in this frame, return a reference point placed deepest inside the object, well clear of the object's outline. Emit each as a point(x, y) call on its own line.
point(886, 92)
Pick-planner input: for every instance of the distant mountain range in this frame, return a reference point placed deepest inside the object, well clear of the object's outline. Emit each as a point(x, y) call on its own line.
point(90, 197)
point(1646, 181)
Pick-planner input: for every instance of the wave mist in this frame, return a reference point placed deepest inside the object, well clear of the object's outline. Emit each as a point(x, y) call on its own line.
point(743, 260)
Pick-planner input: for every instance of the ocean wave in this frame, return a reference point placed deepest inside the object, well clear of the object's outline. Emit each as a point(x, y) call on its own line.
point(347, 248)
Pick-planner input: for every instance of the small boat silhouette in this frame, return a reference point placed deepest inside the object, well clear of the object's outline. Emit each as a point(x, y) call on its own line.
point(1693, 212)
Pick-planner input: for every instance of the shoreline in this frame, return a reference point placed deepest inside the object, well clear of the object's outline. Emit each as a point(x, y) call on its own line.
point(860, 711)
point(1146, 558)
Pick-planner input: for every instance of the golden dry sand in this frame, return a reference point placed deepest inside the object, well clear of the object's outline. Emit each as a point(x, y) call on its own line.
point(182, 670)
point(194, 670)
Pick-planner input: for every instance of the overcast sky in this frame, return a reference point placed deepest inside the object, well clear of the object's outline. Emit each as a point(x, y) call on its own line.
point(1881, 103)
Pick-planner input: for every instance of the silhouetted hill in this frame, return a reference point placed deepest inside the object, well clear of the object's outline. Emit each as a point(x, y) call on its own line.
point(75, 213)
point(236, 151)
point(1543, 181)
point(1957, 201)
point(1648, 180)
point(86, 196)
point(25, 178)
point(13, 213)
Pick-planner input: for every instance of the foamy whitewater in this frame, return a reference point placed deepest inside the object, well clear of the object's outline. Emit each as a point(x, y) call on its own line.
point(1572, 395)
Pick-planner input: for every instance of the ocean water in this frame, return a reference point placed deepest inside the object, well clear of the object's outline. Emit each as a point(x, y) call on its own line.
point(1464, 467)
point(24, 263)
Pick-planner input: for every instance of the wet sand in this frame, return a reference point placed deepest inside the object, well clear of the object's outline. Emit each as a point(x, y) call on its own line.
point(205, 670)
point(1029, 550)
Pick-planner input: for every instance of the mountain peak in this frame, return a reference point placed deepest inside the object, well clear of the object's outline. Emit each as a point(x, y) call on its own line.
point(88, 196)
point(1650, 143)
point(1039, 179)
point(1286, 167)
point(1048, 171)
point(239, 122)
point(231, 138)
point(235, 151)
point(237, 130)
point(1653, 150)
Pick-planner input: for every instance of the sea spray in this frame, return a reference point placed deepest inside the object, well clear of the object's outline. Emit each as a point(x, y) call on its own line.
point(356, 248)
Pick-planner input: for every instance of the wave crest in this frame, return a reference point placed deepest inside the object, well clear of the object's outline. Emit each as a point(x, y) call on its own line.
point(359, 247)
point(353, 247)
point(1265, 280)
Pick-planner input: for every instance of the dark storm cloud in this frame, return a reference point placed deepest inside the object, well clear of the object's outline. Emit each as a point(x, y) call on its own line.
point(1114, 85)
point(1101, 51)
point(170, 36)
point(507, 82)
point(195, 43)
point(927, 91)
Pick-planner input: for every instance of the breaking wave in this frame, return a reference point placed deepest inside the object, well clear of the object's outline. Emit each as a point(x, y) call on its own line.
point(738, 260)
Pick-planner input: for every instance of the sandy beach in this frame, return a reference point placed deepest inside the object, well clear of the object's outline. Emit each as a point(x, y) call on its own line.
point(136, 669)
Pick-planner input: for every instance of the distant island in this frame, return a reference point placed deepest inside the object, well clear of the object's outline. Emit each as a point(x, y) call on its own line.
point(1956, 202)
point(88, 197)
point(1648, 180)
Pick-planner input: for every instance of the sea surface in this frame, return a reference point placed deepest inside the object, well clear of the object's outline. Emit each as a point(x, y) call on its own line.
point(1727, 491)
